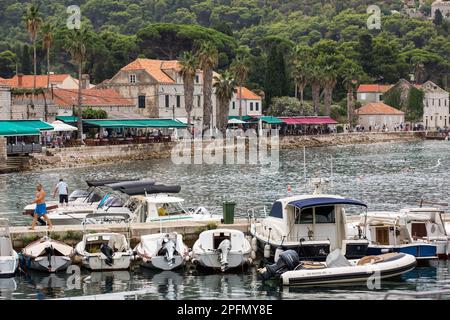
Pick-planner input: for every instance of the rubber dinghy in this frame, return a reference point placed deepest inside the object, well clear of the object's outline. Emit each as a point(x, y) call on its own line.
point(337, 269)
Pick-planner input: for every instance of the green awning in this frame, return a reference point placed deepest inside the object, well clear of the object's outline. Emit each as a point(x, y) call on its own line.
point(136, 123)
point(36, 124)
point(243, 118)
point(17, 128)
point(67, 119)
point(271, 120)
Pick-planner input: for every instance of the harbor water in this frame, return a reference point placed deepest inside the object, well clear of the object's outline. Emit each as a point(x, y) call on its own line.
point(387, 176)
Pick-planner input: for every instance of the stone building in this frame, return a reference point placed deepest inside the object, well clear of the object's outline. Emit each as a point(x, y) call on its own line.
point(368, 93)
point(436, 106)
point(5, 102)
point(61, 81)
point(379, 114)
point(443, 6)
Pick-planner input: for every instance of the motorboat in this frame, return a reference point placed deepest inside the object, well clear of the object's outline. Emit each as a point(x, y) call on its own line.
point(9, 260)
point(312, 225)
point(104, 251)
point(222, 249)
point(163, 251)
point(47, 255)
point(409, 231)
point(337, 269)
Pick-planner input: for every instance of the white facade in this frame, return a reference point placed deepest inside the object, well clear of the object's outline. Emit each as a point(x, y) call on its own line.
point(436, 106)
point(5, 103)
point(249, 107)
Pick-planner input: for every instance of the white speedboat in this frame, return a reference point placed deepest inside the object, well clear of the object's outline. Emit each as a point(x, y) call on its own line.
point(163, 251)
point(337, 269)
point(222, 249)
point(104, 251)
point(415, 231)
point(312, 225)
point(47, 255)
point(9, 260)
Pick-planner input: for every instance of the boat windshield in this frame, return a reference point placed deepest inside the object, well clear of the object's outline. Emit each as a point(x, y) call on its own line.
point(322, 214)
point(169, 209)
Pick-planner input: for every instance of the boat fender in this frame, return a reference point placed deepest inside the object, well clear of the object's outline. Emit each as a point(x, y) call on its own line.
point(267, 251)
point(288, 260)
point(254, 244)
point(278, 251)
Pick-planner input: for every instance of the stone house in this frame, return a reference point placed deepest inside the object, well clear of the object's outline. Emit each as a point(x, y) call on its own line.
point(436, 106)
point(368, 93)
point(5, 102)
point(62, 81)
point(378, 114)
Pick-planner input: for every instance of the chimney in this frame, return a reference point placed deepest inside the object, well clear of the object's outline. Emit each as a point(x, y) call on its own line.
point(20, 80)
point(85, 81)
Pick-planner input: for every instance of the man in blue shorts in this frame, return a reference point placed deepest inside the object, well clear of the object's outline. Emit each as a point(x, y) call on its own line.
point(41, 207)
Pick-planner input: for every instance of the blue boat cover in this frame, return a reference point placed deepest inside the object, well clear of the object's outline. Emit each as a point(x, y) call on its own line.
point(323, 201)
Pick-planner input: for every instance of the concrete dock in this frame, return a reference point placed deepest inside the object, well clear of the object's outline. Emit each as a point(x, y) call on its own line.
point(72, 234)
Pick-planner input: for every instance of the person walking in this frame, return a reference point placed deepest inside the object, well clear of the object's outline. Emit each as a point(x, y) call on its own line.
point(41, 207)
point(63, 192)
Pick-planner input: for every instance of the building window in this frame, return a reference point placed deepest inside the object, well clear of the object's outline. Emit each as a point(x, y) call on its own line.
point(256, 106)
point(440, 118)
point(178, 101)
point(431, 117)
point(381, 97)
point(251, 106)
point(132, 78)
point(199, 101)
point(233, 105)
point(197, 78)
point(141, 103)
point(167, 101)
point(363, 96)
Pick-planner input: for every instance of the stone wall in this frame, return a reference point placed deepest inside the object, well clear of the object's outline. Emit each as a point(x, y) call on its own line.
point(2, 151)
point(5, 103)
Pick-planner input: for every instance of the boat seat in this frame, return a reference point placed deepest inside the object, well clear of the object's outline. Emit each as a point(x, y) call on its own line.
point(311, 265)
point(376, 259)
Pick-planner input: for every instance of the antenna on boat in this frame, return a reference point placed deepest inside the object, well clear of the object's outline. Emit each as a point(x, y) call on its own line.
point(331, 175)
point(304, 163)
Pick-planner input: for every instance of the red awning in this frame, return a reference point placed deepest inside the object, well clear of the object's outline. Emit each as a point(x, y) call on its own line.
point(308, 120)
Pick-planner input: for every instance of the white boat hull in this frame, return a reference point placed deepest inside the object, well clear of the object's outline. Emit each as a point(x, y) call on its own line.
point(350, 274)
point(97, 262)
point(56, 263)
point(160, 263)
point(8, 265)
point(212, 259)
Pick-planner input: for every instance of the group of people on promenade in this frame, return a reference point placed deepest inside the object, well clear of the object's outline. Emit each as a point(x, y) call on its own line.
point(40, 212)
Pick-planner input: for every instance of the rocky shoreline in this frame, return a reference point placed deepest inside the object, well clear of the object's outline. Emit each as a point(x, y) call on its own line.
point(92, 156)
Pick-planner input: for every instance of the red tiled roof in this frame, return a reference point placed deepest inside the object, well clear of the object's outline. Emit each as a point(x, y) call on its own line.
point(308, 120)
point(247, 94)
point(154, 68)
point(374, 88)
point(376, 108)
point(41, 80)
point(91, 97)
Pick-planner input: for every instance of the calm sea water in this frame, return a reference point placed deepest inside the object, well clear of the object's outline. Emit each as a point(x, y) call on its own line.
point(386, 176)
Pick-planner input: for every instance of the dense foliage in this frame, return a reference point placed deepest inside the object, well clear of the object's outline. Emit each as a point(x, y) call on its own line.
point(334, 33)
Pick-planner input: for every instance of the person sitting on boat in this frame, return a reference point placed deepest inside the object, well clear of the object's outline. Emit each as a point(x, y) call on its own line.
point(162, 211)
point(41, 208)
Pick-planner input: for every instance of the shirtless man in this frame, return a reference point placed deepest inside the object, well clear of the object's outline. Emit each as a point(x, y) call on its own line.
point(41, 208)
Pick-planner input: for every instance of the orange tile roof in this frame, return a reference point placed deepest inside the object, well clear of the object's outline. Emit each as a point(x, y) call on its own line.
point(247, 94)
point(91, 97)
point(41, 80)
point(154, 68)
point(378, 108)
point(374, 88)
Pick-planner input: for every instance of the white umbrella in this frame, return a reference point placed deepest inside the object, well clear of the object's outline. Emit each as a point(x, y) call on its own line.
point(236, 121)
point(61, 126)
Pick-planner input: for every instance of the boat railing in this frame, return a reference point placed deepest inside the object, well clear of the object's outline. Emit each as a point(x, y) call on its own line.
point(436, 294)
point(251, 213)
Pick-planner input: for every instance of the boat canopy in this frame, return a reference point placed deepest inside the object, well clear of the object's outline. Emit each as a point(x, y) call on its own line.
point(150, 188)
point(101, 183)
point(131, 184)
point(323, 201)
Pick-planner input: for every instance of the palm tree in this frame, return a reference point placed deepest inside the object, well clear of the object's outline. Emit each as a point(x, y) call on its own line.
point(351, 75)
point(47, 41)
point(33, 22)
point(76, 44)
point(208, 58)
point(240, 68)
point(315, 76)
point(300, 60)
point(329, 78)
point(189, 65)
point(225, 86)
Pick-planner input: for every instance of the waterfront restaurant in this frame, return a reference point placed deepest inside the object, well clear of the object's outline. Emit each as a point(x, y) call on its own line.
point(23, 136)
point(308, 125)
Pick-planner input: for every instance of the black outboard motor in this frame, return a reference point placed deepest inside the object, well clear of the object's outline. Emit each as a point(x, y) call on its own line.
point(108, 252)
point(288, 260)
point(50, 251)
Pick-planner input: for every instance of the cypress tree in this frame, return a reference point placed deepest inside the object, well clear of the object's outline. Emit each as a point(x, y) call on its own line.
point(275, 77)
point(26, 65)
point(438, 18)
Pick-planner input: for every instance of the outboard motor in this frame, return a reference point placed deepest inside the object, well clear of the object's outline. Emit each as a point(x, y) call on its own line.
point(224, 248)
point(168, 248)
point(288, 260)
point(50, 251)
point(108, 252)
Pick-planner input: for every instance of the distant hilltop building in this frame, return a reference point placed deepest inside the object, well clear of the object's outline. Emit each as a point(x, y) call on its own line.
point(443, 6)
